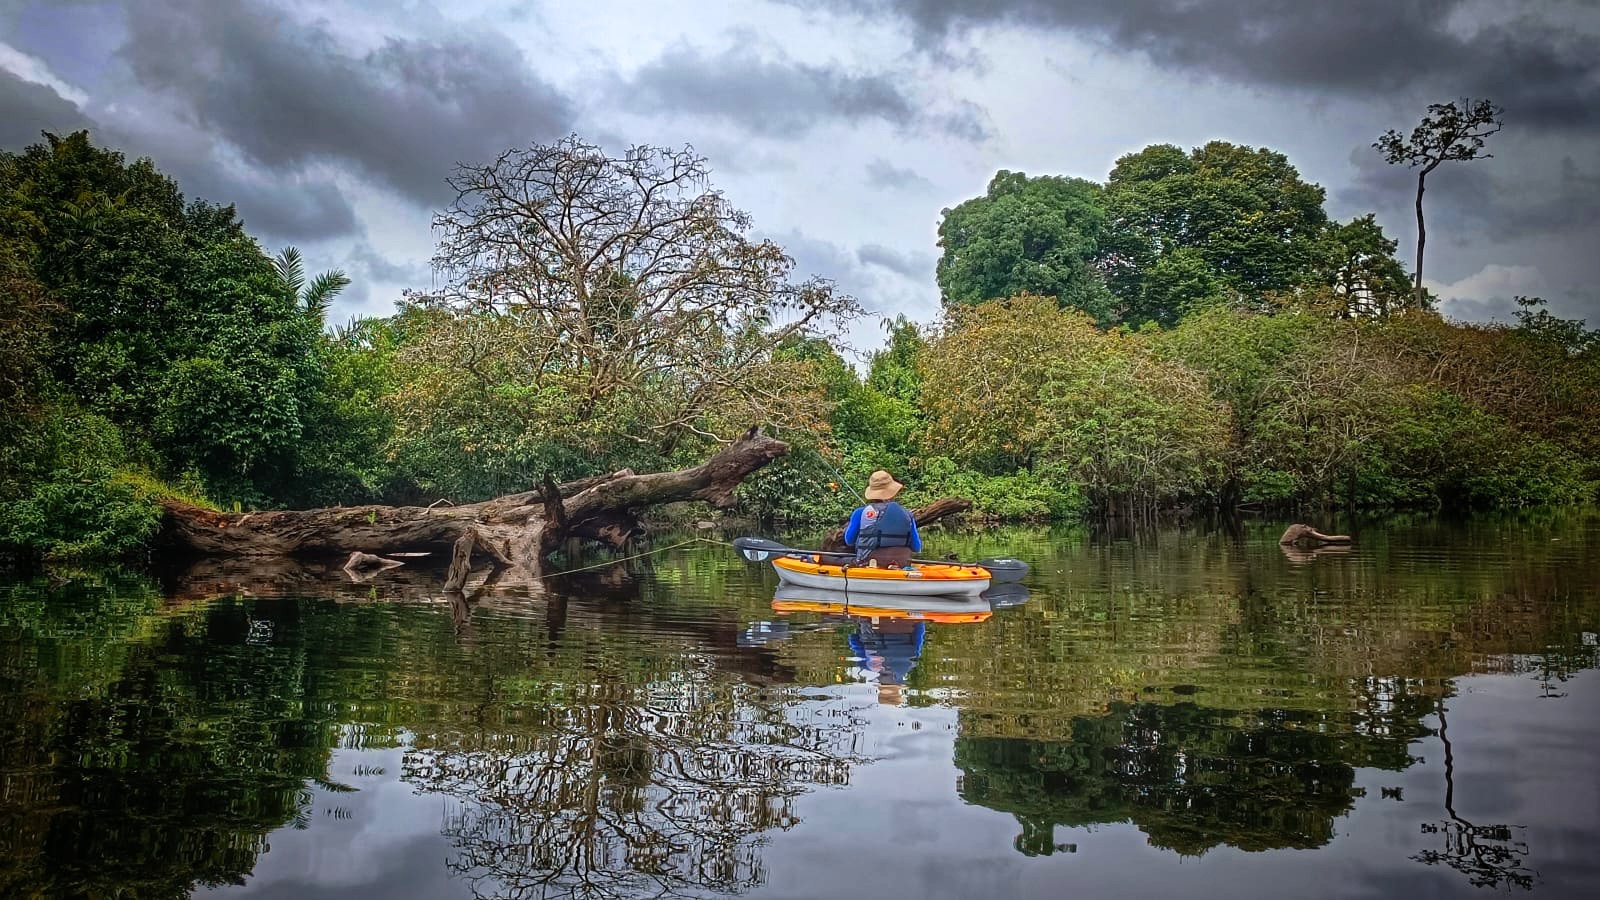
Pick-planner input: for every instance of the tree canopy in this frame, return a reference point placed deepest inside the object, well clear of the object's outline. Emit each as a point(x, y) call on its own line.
point(1221, 221)
point(1027, 236)
point(1169, 232)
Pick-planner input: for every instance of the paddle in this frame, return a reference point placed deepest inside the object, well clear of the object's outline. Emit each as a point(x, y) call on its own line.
point(756, 549)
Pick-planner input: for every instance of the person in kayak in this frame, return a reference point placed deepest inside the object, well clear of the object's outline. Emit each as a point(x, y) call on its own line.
point(882, 532)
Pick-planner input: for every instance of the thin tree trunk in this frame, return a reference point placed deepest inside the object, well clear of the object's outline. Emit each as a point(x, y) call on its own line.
point(1422, 235)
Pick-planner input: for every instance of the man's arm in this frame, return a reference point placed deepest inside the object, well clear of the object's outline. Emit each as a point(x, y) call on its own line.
point(916, 539)
point(851, 530)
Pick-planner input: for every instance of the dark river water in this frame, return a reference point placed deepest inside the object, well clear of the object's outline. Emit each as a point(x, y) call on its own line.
point(1190, 712)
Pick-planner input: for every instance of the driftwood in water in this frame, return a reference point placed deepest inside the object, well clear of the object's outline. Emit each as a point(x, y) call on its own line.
point(1306, 536)
point(516, 532)
point(925, 515)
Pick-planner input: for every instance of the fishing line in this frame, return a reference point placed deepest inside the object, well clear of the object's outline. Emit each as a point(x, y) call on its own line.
point(612, 562)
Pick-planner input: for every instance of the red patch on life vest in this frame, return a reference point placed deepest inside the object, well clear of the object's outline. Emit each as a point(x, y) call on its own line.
point(870, 513)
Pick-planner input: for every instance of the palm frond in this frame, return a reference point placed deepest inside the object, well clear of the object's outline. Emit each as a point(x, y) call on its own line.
point(319, 295)
point(290, 270)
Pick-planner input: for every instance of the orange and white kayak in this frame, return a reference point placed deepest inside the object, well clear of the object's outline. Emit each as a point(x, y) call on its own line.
point(915, 580)
point(950, 609)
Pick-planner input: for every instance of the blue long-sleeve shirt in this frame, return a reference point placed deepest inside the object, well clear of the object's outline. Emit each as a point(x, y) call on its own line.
point(851, 530)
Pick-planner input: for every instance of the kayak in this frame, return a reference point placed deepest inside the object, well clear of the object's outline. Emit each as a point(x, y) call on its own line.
point(948, 609)
point(915, 580)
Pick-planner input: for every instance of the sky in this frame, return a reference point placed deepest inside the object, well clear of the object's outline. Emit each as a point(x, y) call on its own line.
point(844, 127)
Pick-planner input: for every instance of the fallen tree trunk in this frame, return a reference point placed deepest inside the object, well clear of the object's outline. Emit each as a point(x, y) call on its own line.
point(517, 531)
point(1305, 535)
point(925, 515)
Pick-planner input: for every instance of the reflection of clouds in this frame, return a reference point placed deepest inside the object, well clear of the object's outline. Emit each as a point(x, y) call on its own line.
point(388, 845)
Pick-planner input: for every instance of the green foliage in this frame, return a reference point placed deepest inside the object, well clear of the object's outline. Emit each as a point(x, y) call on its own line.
point(349, 424)
point(1184, 228)
point(894, 370)
point(1135, 430)
point(1439, 449)
point(174, 325)
point(1022, 496)
point(1361, 269)
point(1027, 235)
point(1279, 357)
point(314, 296)
point(984, 378)
point(1171, 232)
point(1021, 384)
point(1390, 412)
point(802, 487)
point(75, 503)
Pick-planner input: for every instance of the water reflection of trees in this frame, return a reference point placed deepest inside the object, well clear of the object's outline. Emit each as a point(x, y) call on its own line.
point(589, 740)
point(1189, 776)
point(656, 790)
point(604, 738)
point(150, 750)
point(1489, 855)
point(657, 774)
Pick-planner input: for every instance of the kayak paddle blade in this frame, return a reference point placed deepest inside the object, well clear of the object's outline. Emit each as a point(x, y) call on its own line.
point(1006, 595)
point(1004, 570)
point(755, 549)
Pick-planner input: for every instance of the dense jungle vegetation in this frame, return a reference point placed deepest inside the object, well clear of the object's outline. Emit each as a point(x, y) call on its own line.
point(1193, 332)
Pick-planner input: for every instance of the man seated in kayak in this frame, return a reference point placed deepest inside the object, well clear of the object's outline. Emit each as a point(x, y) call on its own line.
point(882, 532)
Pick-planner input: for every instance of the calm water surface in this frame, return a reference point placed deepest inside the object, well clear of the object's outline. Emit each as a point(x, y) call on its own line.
point(1188, 713)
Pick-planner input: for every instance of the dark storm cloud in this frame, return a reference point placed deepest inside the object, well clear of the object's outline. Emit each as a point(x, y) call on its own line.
point(277, 210)
point(780, 97)
point(287, 207)
point(884, 174)
point(289, 94)
point(27, 109)
point(1543, 64)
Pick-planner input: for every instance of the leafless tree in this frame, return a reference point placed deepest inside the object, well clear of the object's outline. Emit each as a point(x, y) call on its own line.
point(1448, 132)
point(626, 275)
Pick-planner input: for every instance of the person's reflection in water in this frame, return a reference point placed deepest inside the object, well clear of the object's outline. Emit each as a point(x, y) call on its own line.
point(889, 648)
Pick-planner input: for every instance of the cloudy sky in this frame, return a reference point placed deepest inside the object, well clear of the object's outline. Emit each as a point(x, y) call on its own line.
point(844, 126)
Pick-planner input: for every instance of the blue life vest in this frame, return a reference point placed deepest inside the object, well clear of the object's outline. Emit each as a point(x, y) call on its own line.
point(885, 524)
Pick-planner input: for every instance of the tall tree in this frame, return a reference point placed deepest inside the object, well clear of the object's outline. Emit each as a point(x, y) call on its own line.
point(1187, 230)
point(1027, 235)
point(630, 284)
point(1448, 132)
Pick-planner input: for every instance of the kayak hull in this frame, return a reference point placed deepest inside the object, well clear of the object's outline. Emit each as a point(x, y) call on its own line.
point(915, 581)
point(944, 609)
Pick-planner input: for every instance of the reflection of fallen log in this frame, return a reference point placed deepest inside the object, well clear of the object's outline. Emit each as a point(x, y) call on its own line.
point(1297, 554)
point(1306, 536)
point(362, 566)
point(925, 516)
point(516, 532)
point(609, 597)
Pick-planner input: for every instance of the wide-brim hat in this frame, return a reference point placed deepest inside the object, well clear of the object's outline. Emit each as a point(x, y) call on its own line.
point(881, 486)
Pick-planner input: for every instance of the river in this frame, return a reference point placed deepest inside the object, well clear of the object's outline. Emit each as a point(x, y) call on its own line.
point(1186, 711)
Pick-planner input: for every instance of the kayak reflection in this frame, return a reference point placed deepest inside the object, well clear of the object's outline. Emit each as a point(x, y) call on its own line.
point(889, 630)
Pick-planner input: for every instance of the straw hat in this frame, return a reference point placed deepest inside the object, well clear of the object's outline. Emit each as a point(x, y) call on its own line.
point(881, 486)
